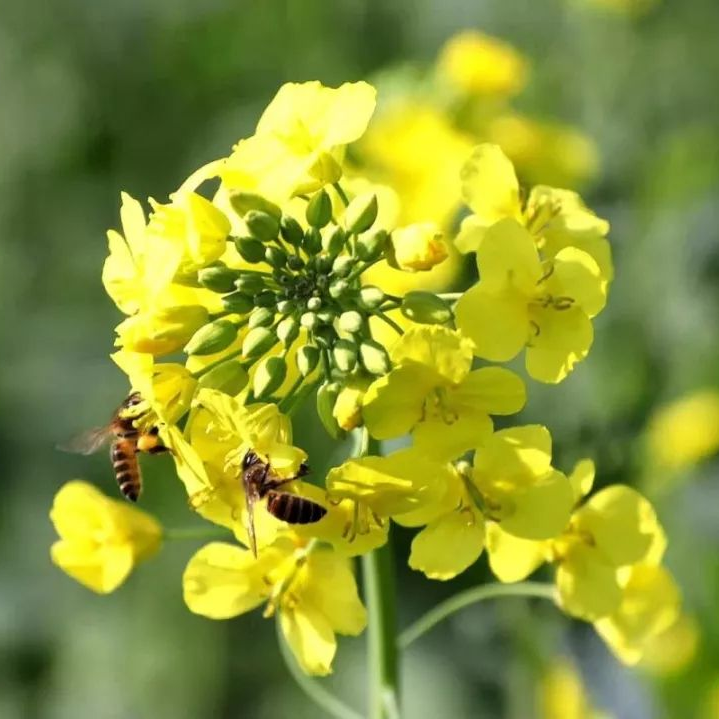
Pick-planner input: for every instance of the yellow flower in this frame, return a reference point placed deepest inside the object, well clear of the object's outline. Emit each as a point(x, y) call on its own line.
point(312, 589)
point(418, 247)
point(561, 694)
point(672, 651)
point(686, 431)
point(300, 138)
point(650, 604)
point(348, 406)
point(522, 302)
point(478, 64)
point(545, 151)
point(433, 392)
point(101, 539)
point(556, 219)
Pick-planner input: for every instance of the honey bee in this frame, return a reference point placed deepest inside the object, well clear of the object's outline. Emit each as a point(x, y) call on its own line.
point(126, 441)
point(260, 481)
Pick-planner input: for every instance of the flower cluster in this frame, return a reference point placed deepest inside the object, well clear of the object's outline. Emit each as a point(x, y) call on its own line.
point(249, 293)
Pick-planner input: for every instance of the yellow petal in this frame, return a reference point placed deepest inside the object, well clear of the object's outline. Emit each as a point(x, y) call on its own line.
point(515, 457)
point(650, 605)
point(450, 544)
point(564, 338)
point(489, 185)
point(622, 524)
point(588, 585)
point(311, 639)
point(498, 324)
point(222, 581)
point(446, 441)
point(511, 558)
point(577, 275)
point(582, 478)
point(493, 390)
point(102, 569)
point(470, 235)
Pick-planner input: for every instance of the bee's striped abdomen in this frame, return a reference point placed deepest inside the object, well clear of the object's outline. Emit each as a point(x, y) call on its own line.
point(127, 468)
point(293, 509)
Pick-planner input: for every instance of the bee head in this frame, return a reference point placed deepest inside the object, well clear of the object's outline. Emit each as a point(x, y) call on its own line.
point(249, 459)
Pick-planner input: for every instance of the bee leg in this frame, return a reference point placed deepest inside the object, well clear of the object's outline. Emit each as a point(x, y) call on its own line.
point(159, 449)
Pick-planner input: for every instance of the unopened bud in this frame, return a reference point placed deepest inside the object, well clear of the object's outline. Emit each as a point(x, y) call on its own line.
point(269, 374)
point(229, 377)
point(238, 303)
point(319, 209)
point(334, 242)
point(350, 321)
point(371, 246)
point(314, 303)
point(286, 307)
point(291, 230)
point(266, 298)
point(326, 398)
point(257, 341)
point(218, 278)
point(244, 202)
point(307, 359)
point(323, 265)
point(212, 338)
point(287, 330)
point(250, 249)
point(338, 289)
point(312, 243)
point(295, 263)
point(326, 316)
point(374, 357)
point(275, 257)
point(425, 307)
point(260, 317)
point(361, 213)
point(348, 406)
point(250, 283)
point(417, 248)
point(309, 320)
point(342, 266)
point(344, 354)
point(371, 297)
point(262, 226)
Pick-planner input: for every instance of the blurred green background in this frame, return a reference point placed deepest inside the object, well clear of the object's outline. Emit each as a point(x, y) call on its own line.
point(96, 97)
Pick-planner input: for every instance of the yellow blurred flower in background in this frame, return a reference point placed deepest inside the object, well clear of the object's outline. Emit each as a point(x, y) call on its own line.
point(561, 694)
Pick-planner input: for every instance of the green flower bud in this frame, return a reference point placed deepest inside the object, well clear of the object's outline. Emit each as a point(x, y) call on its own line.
point(269, 375)
point(266, 298)
point(261, 317)
point(342, 266)
point(371, 297)
point(244, 202)
point(326, 316)
point(307, 359)
point(334, 242)
point(257, 341)
point(370, 247)
point(262, 226)
point(309, 320)
point(229, 377)
point(338, 289)
point(238, 303)
point(374, 357)
point(312, 243)
point(286, 307)
point(276, 257)
point(351, 321)
point(213, 337)
point(324, 265)
point(250, 283)
point(287, 330)
point(344, 354)
point(250, 249)
point(325, 336)
point(218, 278)
point(314, 303)
point(361, 213)
point(326, 398)
point(295, 263)
point(291, 230)
point(319, 209)
point(425, 307)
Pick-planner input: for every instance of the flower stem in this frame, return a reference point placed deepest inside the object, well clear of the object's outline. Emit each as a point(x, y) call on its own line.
point(182, 533)
point(382, 666)
point(341, 193)
point(311, 687)
point(468, 597)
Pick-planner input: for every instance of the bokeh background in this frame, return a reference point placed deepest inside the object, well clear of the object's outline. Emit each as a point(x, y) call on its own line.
point(101, 96)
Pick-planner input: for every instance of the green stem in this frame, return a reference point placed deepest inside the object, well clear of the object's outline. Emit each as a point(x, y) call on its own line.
point(389, 321)
point(378, 574)
point(182, 533)
point(472, 596)
point(380, 597)
point(311, 687)
point(341, 193)
point(204, 370)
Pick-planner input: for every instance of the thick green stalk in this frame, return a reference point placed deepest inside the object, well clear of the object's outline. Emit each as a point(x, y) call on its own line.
point(382, 665)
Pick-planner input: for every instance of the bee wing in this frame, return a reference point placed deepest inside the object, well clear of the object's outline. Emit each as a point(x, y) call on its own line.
point(88, 442)
point(250, 499)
